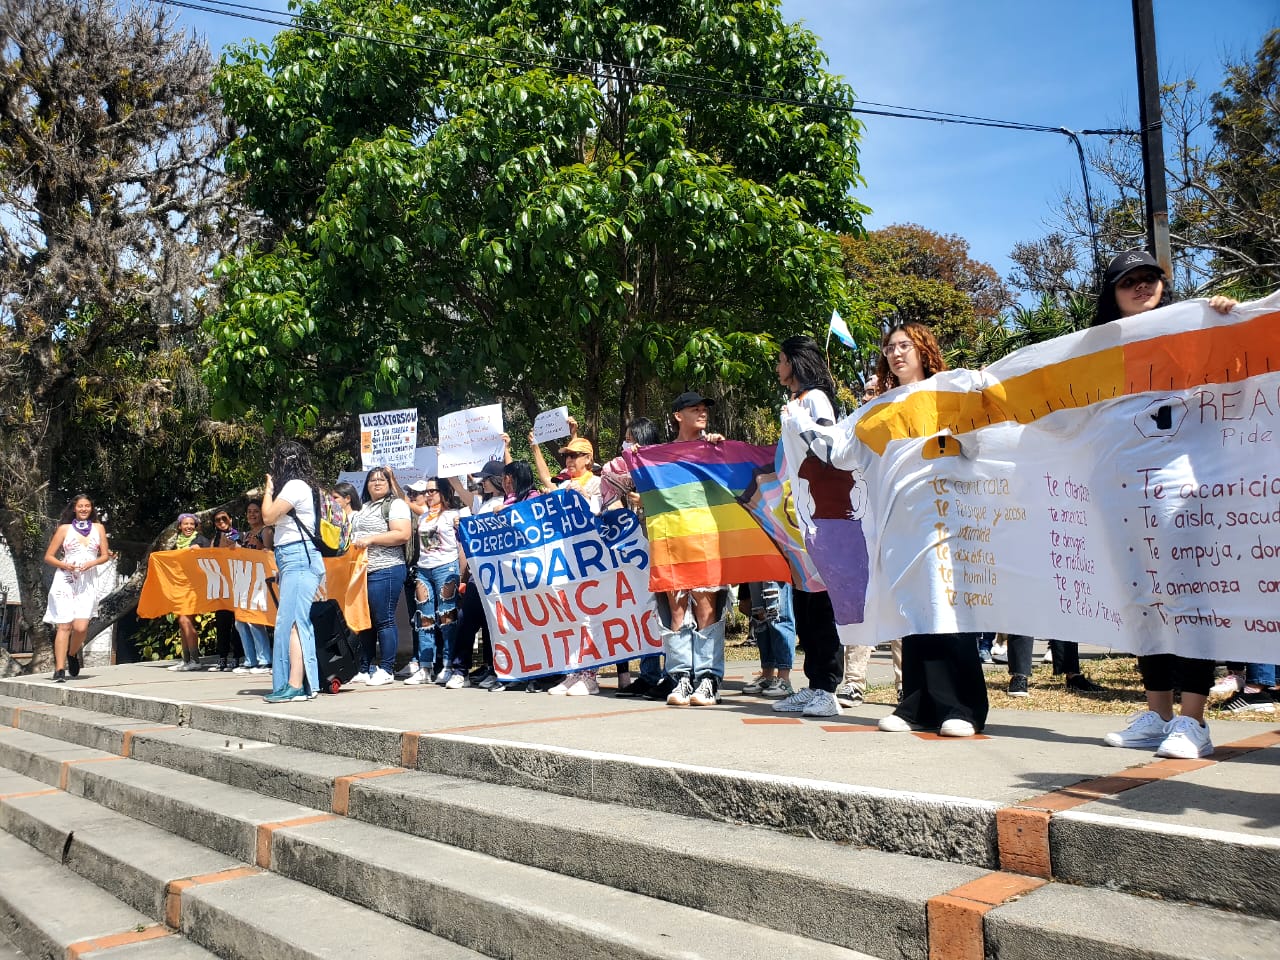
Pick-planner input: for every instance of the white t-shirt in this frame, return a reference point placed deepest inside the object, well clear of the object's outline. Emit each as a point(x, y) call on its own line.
point(438, 538)
point(299, 495)
point(369, 522)
point(818, 405)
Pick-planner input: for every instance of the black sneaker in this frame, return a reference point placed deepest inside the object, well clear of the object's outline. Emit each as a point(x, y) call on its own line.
point(489, 682)
point(636, 688)
point(59, 676)
point(1082, 684)
point(660, 690)
point(73, 665)
point(1260, 702)
point(515, 686)
point(1018, 686)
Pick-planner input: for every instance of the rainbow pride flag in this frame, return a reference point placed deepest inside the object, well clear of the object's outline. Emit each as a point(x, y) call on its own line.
point(704, 506)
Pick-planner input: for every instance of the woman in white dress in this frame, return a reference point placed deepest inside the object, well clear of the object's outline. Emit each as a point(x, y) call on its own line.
point(73, 598)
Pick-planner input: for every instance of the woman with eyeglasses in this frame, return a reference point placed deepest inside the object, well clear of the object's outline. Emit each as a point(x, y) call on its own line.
point(81, 539)
point(382, 527)
point(224, 621)
point(1133, 284)
point(943, 687)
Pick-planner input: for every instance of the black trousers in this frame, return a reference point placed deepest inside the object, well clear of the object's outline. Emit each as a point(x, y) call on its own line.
point(1066, 655)
point(942, 680)
point(229, 646)
point(816, 632)
point(1164, 671)
point(470, 621)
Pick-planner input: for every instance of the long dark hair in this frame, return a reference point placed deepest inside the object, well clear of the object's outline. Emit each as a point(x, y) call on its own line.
point(521, 479)
point(808, 365)
point(393, 488)
point(69, 511)
point(349, 491)
point(643, 431)
point(448, 496)
point(290, 461)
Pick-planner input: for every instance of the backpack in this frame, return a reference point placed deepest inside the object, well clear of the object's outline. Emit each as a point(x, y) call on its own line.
point(332, 535)
point(411, 547)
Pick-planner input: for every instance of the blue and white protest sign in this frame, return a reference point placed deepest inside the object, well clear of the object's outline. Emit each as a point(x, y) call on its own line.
point(563, 589)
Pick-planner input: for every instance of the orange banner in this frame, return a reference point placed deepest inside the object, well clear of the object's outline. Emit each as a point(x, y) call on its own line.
point(201, 581)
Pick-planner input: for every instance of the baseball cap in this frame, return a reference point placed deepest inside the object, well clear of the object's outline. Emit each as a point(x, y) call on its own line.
point(579, 445)
point(1123, 263)
point(418, 486)
point(690, 398)
point(490, 471)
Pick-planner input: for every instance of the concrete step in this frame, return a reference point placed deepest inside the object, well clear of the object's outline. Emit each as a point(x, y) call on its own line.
point(866, 899)
point(501, 909)
point(171, 881)
point(48, 911)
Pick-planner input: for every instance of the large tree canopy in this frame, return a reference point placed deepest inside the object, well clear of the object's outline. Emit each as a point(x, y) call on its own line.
point(112, 210)
point(515, 197)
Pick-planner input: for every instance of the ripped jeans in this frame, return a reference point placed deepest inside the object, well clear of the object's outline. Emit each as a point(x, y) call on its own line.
point(772, 624)
point(437, 616)
point(689, 651)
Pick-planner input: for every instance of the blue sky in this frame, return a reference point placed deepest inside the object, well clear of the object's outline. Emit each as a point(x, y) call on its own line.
point(1061, 64)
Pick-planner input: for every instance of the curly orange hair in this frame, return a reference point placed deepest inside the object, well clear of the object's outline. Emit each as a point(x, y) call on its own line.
point(926, 346)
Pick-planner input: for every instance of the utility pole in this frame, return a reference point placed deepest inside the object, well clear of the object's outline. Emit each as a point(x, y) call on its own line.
point(1157, 203)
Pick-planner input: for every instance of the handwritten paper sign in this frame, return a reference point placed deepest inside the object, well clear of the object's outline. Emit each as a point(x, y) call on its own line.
point(562, 588)
point(1119, 485)
point(388, 439)
point(551, 425)
point(469, 439)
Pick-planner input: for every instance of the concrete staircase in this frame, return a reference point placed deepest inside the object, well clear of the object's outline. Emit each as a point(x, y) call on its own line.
point(152, 828)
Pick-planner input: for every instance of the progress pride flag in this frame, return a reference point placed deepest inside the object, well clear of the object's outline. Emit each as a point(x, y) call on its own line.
point(562, 589)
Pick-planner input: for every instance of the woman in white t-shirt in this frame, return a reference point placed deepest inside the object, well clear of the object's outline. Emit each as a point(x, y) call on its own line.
point(437, 575)
point(382, 527)
point(291, 511)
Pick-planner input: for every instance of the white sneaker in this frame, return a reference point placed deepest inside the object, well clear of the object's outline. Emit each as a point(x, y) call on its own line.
point(821, 704)
point(259, 670)
point(681, 694)
point(240, 670)
point(360, 677)
point(894, 724)
point(408, 670)
point(444, 676)
point(584, 685)
point(1227, 686)
point(457, 680)
point(796, 702)
point(174, 666)
point(1000, 653)
point(956, 727)
point(1145, 729)
point(417, 678)
point(380, 678)
point(1185, 739)
point(561, 689)
point(1047, 657)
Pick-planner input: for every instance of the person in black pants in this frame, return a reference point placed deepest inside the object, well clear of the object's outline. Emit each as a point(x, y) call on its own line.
point(1066, 660)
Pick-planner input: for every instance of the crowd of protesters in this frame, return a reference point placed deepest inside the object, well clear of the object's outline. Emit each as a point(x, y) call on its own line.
point(413, 549)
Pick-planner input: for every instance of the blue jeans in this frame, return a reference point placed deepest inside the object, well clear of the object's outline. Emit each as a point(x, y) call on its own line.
point(384, 593)
point(1261, 674)
point(437, 611)
point(772, 624)
point(689, 651)
point(253, 637)
point(299, 571)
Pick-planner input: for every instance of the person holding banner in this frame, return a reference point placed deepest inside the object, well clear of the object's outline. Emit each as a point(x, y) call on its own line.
point(802, 371)
point(295, 672)
point(943, 685)
point(188, 537)
point(1133, 284)
point(73, 596)
point(253, 636)
point(490, 495)
point(382, 528)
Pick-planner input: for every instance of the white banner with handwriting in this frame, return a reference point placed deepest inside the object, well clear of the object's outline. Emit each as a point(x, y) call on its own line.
point(1117, 486)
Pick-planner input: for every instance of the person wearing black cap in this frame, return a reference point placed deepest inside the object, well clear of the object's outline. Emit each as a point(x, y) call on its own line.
point(693, 634)
point(1133, 284)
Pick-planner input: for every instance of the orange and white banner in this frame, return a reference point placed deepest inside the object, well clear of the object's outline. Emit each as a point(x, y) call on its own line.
point(201, 581)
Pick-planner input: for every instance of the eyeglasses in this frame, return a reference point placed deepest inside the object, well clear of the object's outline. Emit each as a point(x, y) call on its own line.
point(1129, 281)
point(902, 346)
point(221, 519)
point(432, 490)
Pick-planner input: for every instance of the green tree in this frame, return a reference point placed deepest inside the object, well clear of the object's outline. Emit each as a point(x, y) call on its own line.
point(912, 274)
point(110, 216)
point(528, 198)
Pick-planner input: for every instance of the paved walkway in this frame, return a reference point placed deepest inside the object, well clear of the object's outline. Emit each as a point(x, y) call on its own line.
point(1023, 754)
